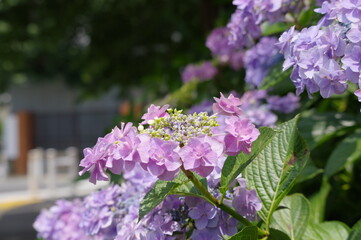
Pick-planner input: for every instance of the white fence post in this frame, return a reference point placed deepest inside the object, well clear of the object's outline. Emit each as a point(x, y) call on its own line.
point(51, 162)
point(3, 167)
point(35, 170)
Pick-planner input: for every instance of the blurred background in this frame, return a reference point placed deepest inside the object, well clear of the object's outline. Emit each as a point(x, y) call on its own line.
point(70, 71)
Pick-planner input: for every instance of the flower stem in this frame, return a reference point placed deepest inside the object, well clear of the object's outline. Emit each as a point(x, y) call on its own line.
point(217, 203)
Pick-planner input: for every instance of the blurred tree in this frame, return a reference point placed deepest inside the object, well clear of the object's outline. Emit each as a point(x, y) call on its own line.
point(95, 45)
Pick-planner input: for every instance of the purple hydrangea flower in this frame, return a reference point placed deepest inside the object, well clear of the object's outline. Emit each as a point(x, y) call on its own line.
point(244, 25)
point(112, 152)
point(61, 221)
point(130, 229)
point(316, 52)
point(201, 72)
point(94, 161)
point(352, 62)
point(201, 154)
point(227, 224)
point(245, 201)
point(205, 106)
point(155, 112)
point(236, 60)
point(140, 178)
point(122, 151)
point(259, 59)
point(286, 104)
point(170, 217)
point(227, 106)
point(218, 43)
point(204, 214)
point(225, 52)
point(99, 214)
point(285, 42)
point(240, 133)
point(354, 34)
point(331, 80)
point(159, 157)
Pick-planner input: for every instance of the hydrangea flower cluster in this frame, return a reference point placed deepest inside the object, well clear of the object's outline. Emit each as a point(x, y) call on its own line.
point(112, 213)
point(101, 215)
point(167, 140)
point(100, 211)
point(61, 221)
point(259, 59)
point(245, 22)
point(176, 216)
point(218, 44)
point(324, 57)
point(200, 72)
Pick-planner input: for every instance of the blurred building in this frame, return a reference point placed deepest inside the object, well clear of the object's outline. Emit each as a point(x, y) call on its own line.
point(49, 115)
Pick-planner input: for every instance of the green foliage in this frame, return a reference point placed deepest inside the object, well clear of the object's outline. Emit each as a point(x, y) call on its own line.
point(181, 185)
point(275, 76)
point(277, 235)
point(234, 165)
point(275, 28)
point(294, 217)
point(97, 45)
point(317, 128)
point(318, 202)
point(186, 188)
point(247, 233)
point(274, 171)
point(309, 172)
point(332, 230)
point(155, 196)
point(346, 152)
point(355, 233)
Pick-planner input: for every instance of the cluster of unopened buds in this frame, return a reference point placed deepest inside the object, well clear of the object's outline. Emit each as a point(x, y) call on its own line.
point(168, 140)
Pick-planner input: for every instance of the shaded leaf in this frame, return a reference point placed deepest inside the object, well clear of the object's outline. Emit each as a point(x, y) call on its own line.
point(276, 234)
point(310, 171)
point(318, 203)
point(332, 230)
point(292, 219)
point(338, 159)
point(155, 196)
point(278, 27)
point(317, 128)
point(187, 188)
point(355, 233)
point(275, 76)
point(247, 233)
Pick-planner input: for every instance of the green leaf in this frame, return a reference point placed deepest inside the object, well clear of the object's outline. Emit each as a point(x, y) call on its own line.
point(187, 188)
point(276, 234)
point(292, 219)
point(332, 230)
point(234, 165)
point(338, 159)
point(355, 233)
point(275, 76)
point(273, 173)
point(310, 171)
point(181, 185)
point(271, 29)
point(317, 128)
point(155, 196)
point(318, 202)
point(247, 233)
